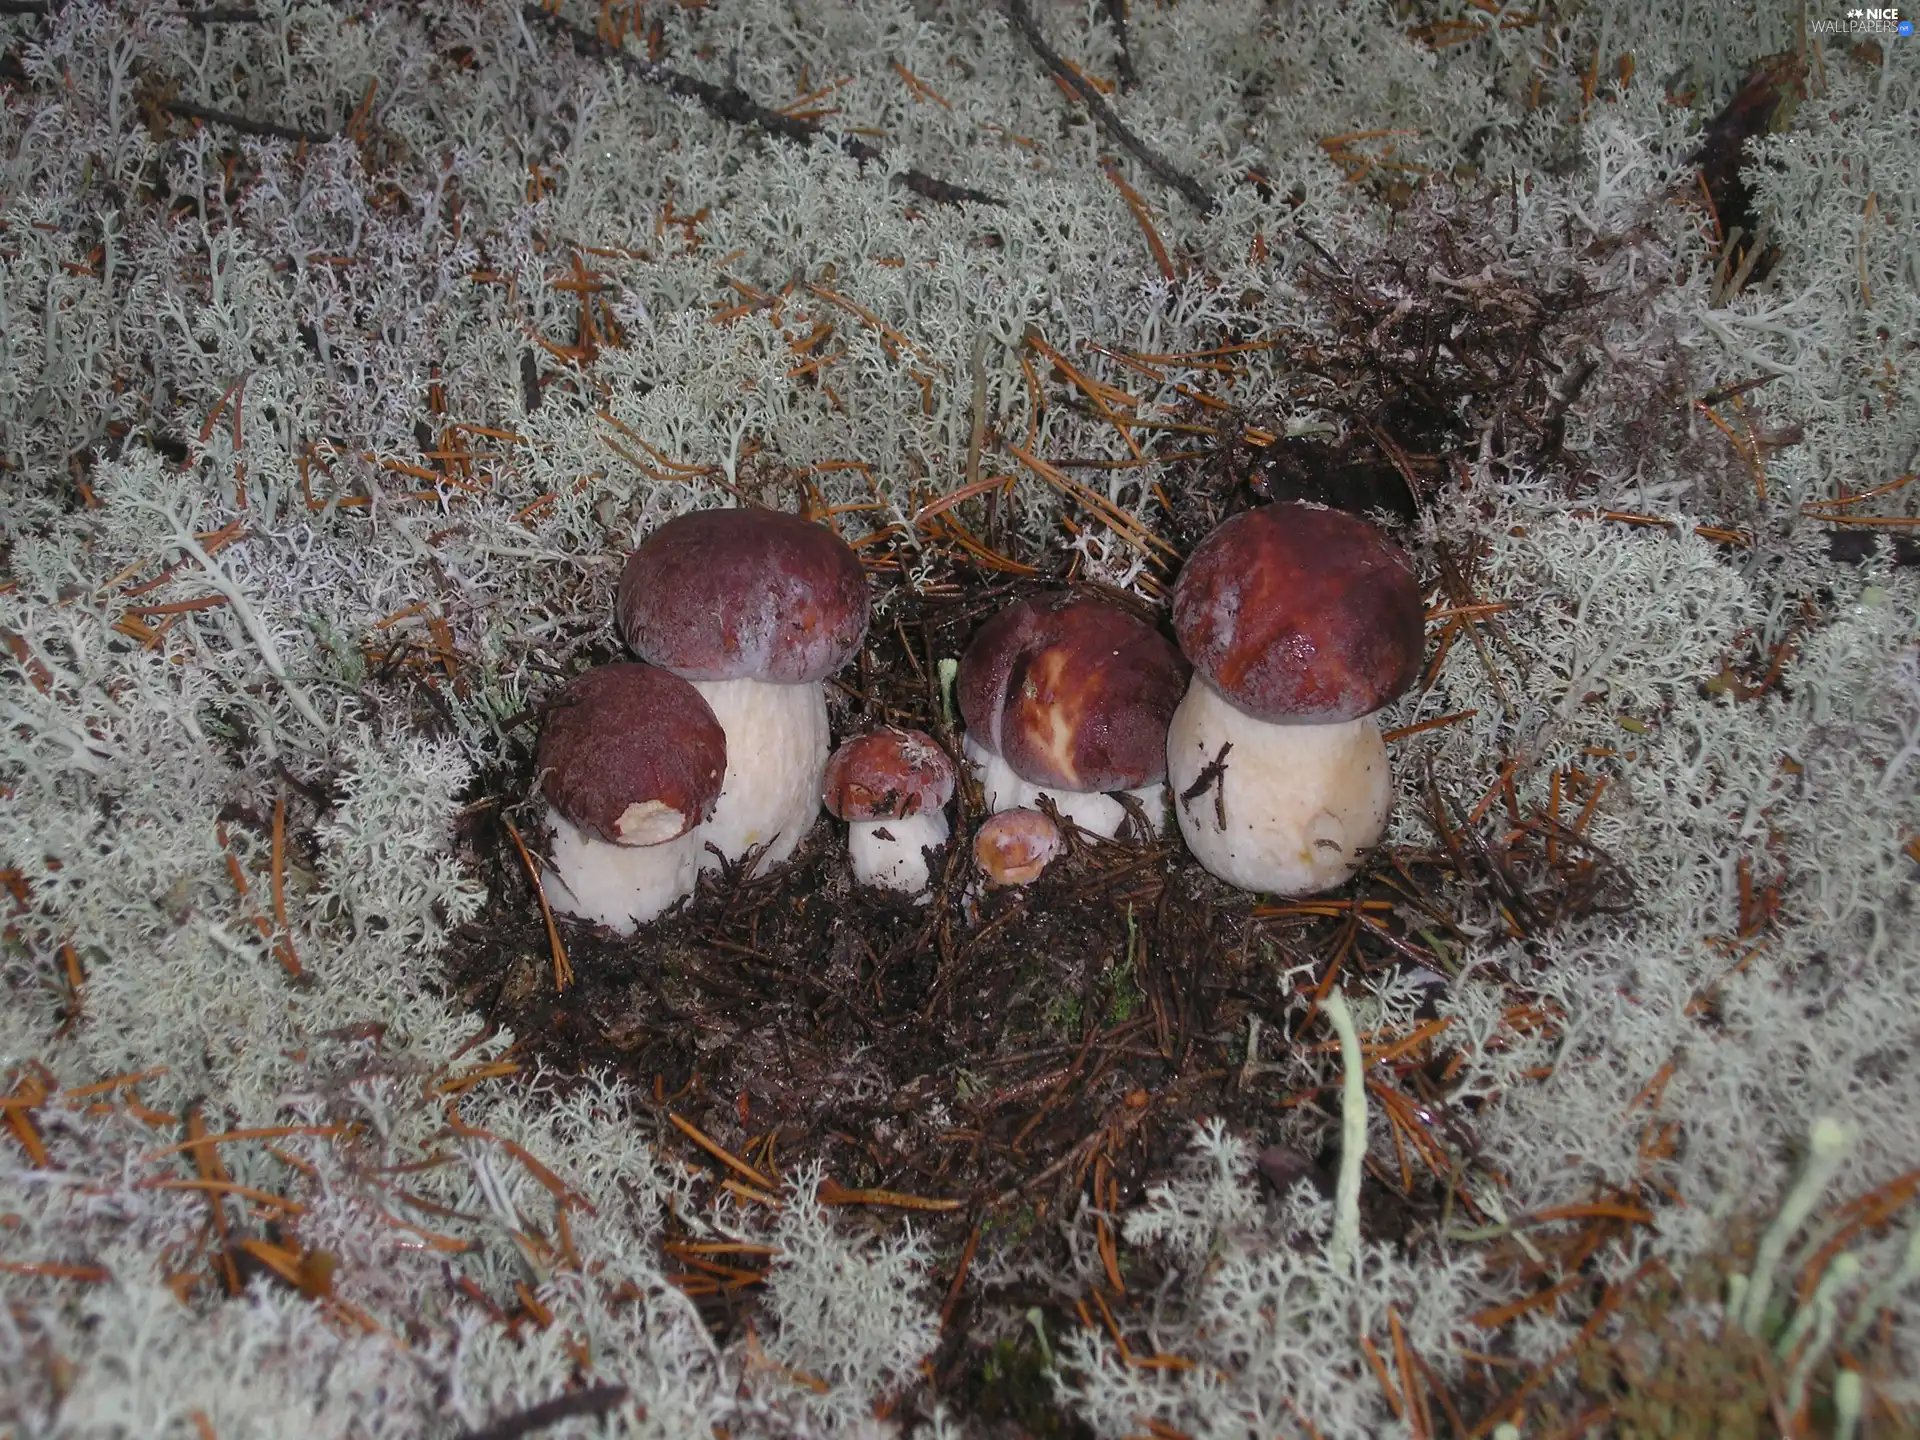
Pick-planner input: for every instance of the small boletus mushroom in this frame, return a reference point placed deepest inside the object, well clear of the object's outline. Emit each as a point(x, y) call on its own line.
point(891, 787)
point(1069, 697)
point(1012, 847)
point(1300, 621)
point(756, 608)
point(630, 762)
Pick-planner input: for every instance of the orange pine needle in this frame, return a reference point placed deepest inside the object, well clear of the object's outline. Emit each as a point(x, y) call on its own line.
point(562, 966)
point(56, 1270)
point(1144, 219)
point(833, 1194)
point(1403, 731)
point(727, 1158)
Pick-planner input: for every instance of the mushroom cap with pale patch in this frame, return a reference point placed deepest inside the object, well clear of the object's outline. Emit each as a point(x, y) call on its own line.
point(744, 594)
point(1012, 847)
point(888, 774)
point(631, 755)
point(1072, 692)
point(1301, 615)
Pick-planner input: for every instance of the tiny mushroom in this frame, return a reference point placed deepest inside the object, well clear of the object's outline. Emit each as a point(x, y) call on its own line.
point(630, 762)
point(891, 787)
point(1300, 621)
point(756, 608)
point(1069, 697)
point(1012, 847)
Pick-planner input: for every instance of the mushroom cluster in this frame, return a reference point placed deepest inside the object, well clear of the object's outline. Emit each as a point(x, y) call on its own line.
point(713, 745)
point(1299, 622)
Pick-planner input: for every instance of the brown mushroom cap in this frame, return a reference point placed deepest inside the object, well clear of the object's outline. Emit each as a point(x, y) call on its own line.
point(1072, 692)
point(1012, 847)
point(1301, 615)
point(632, 755)
point(888, 775)
point(744, 594)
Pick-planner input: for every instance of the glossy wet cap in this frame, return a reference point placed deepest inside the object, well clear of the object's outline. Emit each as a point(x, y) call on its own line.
point(1298, 614)
point(888, 775)
point(1072, 692)
point(744, 594)
point(632, 755)
point(1014, 846)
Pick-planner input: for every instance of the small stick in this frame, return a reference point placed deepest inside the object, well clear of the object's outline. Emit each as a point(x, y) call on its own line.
point(207, 115)
point(1123, 59)
point(731, 103)
point(1196, 193)
point(594, 1400)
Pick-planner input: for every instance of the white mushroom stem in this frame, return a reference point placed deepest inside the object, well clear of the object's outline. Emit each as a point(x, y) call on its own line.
point(777, 745)
point(1293, 809)
point(888, 852)
point(1096, 812)
point(618, 886)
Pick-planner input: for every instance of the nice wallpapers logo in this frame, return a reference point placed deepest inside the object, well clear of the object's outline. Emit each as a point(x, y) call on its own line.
point(1867, 20)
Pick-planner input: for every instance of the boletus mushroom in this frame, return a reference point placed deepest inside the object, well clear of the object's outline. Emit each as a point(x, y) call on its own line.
point(756, 608)
point(1300, 621)
point(891, 787)
point(1069, 697)
point(1013, 847)
point(630, 763)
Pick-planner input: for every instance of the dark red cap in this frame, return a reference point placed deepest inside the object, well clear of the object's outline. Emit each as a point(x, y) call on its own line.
point(1298, 614)
point(632, 755)
point(888, 775)
point(1072, 692)
point(744, 594)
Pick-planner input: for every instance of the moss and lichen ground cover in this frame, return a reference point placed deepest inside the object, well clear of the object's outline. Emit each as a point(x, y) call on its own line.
point(346, 351)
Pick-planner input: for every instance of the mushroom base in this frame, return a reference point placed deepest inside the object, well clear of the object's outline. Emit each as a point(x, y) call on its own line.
point(896, 863)
point(1301, 803)
point(777, 744)
point(1095, 812)
point(618, 886)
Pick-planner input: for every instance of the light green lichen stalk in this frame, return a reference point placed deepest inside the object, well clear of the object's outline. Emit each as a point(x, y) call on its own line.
point(1849, 1393)
point(1748, 1298)
point(949, 671)
point(1344, 1250)
point(1885, 1293)
point(1814, 1324)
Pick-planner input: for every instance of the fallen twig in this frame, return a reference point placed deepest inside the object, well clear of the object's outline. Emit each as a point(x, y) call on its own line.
point(731, 103)
point(594, 1400)
point(1022, 16)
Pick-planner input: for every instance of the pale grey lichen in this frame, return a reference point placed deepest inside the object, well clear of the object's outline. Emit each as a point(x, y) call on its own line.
point(180, 335)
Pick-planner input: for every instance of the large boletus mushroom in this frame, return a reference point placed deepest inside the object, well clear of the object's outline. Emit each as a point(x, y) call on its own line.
point(1300, 621)
point(756, 608)
point(630, 762)
point(1069, 697)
